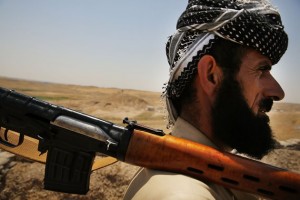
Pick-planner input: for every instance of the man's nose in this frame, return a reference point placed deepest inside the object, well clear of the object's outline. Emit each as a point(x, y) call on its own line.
point(273, 89)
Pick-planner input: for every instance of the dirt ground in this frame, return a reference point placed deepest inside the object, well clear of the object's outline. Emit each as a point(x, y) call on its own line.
point(23, 179)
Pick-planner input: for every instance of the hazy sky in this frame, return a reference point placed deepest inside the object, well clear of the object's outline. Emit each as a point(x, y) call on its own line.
point(110, 43)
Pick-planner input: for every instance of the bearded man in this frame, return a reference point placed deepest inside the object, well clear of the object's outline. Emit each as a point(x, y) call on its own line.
point(220, 89)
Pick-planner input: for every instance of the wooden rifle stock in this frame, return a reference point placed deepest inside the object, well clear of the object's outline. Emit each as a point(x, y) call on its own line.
point(178, 155)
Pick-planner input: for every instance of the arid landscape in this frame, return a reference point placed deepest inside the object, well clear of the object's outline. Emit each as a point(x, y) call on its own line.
point(23, 179)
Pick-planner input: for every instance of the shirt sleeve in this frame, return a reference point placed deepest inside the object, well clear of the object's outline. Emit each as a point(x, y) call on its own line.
point(159, 185)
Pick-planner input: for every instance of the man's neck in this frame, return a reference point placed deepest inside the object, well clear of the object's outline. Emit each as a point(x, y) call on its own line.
point(205, 129)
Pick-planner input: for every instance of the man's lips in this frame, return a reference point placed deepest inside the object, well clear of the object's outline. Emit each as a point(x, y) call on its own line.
point(263, 110)
point(262, 113)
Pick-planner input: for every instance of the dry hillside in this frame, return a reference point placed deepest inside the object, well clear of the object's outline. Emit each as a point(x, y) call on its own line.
point(23, 179)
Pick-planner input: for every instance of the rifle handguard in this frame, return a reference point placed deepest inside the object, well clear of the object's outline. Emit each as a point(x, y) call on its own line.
point(208, 164)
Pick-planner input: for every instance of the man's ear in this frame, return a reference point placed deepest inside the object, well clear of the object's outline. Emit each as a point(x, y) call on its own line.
point(209, 74)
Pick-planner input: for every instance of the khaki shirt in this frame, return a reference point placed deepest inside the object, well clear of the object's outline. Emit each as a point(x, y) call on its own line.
point(160, 185)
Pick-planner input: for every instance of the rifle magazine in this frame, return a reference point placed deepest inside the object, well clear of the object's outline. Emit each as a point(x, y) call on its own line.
point(68, 171)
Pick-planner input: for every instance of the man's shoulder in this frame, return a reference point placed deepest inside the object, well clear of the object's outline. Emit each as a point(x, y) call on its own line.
point(154, 184)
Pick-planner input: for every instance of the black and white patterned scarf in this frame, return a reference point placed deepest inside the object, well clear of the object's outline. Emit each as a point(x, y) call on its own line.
point(252, 23)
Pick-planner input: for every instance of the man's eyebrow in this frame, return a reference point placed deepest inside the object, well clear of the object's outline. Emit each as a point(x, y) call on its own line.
point(265, 64)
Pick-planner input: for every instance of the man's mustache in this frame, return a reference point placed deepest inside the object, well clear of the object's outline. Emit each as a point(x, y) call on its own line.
point(266, 104)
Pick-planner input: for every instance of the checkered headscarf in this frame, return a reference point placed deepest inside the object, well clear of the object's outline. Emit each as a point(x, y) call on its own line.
point(252, 23)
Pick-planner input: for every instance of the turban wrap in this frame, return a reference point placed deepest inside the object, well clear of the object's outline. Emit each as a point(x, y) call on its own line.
point(255, 24)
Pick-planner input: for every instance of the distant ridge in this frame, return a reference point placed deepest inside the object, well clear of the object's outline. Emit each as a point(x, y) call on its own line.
point(15, 81)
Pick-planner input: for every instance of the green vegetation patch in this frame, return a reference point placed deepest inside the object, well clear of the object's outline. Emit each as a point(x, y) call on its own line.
point(23, 89)
point(52, 98)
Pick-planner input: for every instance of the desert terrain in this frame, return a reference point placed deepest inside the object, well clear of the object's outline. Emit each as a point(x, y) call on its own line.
point(23, 179)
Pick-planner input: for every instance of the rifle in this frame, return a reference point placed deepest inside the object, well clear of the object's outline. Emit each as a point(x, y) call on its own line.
point(72, 140)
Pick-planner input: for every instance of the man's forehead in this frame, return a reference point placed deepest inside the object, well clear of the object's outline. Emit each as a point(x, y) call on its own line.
point(255, 58)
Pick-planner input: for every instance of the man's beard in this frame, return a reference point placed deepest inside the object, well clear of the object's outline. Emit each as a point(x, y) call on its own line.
point(236, 125)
